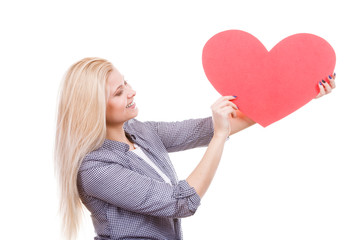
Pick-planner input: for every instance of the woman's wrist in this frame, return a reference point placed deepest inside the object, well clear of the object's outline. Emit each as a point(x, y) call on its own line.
point(220, 136)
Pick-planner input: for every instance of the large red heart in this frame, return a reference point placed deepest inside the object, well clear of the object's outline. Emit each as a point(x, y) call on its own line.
point(269, 85)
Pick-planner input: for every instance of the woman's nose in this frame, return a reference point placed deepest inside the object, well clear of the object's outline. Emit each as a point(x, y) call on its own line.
point(132, 93)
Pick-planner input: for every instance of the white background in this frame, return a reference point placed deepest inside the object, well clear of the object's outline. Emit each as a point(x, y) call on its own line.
point(299, 178)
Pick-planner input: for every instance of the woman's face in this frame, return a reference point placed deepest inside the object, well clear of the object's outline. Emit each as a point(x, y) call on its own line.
point(120, 106)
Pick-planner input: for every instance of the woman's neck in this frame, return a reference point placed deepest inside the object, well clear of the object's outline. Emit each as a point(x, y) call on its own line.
point(117, 133)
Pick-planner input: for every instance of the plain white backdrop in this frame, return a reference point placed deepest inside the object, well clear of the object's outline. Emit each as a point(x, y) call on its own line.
point(299, 178)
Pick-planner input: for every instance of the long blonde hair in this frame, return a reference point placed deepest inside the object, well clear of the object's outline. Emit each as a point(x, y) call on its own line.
point(81, 128)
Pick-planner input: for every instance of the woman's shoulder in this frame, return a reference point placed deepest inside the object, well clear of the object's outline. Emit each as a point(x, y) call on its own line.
point(137, 126)
point(100, 157)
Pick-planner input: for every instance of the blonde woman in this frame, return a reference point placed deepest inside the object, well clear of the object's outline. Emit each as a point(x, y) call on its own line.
point(119, 167)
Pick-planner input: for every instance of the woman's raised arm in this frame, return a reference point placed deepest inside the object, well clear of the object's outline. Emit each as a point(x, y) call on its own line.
point(204, 172)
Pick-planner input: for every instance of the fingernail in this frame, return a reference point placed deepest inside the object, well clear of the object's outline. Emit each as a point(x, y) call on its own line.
point(323, 81)
point(320, 83)
point(330, 77)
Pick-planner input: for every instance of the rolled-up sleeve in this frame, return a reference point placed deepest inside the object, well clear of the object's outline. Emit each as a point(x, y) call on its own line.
point(129, 190)
point(183, 135)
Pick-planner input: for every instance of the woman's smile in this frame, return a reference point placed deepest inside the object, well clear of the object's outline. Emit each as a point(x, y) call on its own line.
point(131, 105)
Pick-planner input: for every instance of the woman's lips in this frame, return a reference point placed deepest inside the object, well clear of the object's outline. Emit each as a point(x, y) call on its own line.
point(131, 105)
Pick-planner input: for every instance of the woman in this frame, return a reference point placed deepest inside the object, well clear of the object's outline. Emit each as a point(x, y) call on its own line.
point(119, 167)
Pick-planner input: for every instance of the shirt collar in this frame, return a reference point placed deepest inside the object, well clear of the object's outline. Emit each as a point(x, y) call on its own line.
point(115, 145)
point(119, 146)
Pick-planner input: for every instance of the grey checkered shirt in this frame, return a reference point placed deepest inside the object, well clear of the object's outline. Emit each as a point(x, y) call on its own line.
point(126, 197)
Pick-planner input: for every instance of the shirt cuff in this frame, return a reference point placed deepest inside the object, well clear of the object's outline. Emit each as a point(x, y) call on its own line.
point(184, 190)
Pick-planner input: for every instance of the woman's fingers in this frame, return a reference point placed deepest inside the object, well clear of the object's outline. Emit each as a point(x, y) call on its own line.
point(322, 90)
point(332, 81)
point(326, 87)
point(226, 111)
point(228, 104)
point(223, 99)
point(224, 102)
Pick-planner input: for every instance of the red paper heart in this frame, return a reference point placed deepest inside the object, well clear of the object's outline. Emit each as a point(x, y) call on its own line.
point(269, 85)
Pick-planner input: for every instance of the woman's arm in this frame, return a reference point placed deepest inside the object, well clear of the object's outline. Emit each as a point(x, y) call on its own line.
point(183, 135)
point(203, 174)
point(132, 191)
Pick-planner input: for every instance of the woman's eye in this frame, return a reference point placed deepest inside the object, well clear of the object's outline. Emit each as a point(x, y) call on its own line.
point(119, 93)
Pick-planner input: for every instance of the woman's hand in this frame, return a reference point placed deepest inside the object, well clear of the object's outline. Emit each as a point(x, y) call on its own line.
point(222, 110)
point(326, 85)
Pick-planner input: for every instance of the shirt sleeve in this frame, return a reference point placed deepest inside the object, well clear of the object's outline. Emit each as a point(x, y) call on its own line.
point(134, 192)
point(183, 135)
